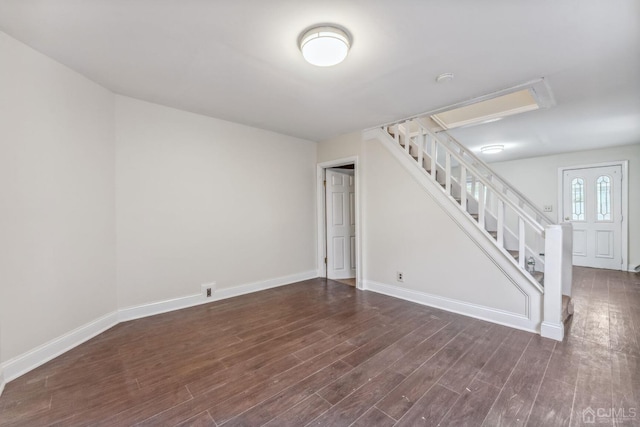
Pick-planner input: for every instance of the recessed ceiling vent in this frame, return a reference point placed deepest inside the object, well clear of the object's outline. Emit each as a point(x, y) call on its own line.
point(496, 106)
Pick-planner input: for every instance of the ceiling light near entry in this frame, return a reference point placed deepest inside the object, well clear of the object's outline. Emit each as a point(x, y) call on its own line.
point(325, 46)
point(492, 149)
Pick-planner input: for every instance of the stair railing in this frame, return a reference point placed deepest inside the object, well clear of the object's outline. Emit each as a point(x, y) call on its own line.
point(428, 150)
point(480, 165)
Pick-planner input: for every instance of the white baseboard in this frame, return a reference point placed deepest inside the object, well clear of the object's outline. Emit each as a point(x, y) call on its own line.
point(262, 285)
point(555, 331)
point(20, 365)
point(1, 380)
point(159, 307)
point(489, 314)
point(30, 360)
point(633, 268)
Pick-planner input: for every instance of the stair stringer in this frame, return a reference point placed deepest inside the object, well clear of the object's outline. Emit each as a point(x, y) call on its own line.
point(532, 292)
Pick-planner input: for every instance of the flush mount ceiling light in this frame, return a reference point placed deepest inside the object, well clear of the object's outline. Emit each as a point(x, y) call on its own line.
point(325, 46)
point(492, 149)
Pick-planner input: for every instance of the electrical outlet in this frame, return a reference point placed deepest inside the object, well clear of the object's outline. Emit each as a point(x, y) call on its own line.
point(400, 276)
point(208, 289)
point(548, 208)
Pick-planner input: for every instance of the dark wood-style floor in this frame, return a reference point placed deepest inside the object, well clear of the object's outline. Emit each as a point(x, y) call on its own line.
point(324, 354)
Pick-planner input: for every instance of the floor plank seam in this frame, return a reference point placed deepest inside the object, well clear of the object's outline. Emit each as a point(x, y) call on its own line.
point(188, 391)
point(322, 413)
point(437, 352)
point(316, 393)
point(393, 418)
point(460, 396)
point(443, 386)
point(506, 381)
point(575, 392)
point(535, 398)
point(281, 391)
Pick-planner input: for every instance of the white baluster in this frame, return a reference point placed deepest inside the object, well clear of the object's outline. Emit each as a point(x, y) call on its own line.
point(521, 243)
point(407, 138)
point(434, 158)
point(447, 173)
point(463, 187)
point(500, 223)
point(396, 133)
point(421, 147)
point(481, 201)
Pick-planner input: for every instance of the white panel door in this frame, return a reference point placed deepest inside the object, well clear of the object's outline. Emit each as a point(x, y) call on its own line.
point(341, 226)
point(592, 202)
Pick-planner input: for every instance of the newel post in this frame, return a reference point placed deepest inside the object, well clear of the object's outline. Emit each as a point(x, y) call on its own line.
point(558, 249)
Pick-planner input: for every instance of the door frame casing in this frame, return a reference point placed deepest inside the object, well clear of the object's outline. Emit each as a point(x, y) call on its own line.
point(624, 238)
point(321, 215)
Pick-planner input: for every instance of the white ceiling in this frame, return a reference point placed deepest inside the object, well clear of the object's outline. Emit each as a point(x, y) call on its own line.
point(238, 60)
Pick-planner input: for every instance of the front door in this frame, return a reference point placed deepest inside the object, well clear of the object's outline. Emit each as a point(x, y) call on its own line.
point(592, 202)
point(341, 225)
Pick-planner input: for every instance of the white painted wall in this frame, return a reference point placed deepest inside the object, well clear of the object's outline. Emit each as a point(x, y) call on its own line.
point(405, 230)
point(198, 199)
point(57, 196)
point(538, 179)
point(343, 146)
point(201, 200)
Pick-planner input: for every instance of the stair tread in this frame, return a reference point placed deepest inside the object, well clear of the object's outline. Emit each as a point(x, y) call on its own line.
point(514, 253)
point(539, 276)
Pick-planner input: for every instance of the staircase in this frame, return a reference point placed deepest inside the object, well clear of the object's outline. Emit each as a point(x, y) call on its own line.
point(525, 237)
